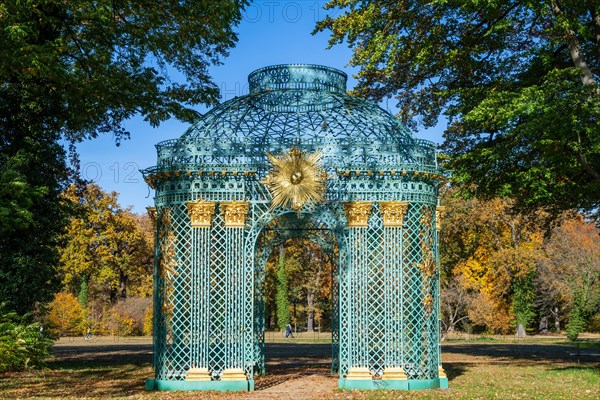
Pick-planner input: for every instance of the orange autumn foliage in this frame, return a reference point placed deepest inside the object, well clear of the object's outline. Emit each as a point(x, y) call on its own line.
point(490, 248)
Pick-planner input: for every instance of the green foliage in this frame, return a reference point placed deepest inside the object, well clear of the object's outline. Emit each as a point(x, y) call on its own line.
point(83, 293)
point(32, 216)
point(517, 81)
point(22, 345)
point(69, 71)
point(101, 62)
point(576, 323)
point(282, 295)
point(523, 299)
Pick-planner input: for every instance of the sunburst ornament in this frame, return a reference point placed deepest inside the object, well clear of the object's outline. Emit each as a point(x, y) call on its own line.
point(296, 179)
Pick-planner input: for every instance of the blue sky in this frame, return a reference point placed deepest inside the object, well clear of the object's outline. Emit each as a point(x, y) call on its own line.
point(271, 32)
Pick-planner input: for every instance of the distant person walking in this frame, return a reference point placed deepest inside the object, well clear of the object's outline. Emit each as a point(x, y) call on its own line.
point(88, 334)
point(288, 331)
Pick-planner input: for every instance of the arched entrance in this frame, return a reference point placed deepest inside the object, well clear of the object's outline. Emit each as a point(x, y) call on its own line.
point(296, 153)
point(294, 225)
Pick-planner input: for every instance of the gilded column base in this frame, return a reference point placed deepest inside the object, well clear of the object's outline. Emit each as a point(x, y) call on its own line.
point(233, 374)
point(198, 374)
point(441, 372)
point(394, 374)
point(359, 373)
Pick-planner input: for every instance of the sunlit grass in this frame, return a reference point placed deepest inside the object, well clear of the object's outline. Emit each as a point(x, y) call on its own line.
point(476, 370)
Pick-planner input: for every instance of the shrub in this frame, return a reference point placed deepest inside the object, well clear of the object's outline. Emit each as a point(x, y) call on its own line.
point(22, 345)
point(128, 316)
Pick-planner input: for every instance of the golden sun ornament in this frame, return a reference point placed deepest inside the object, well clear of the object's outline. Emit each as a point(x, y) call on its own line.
point(296, 179)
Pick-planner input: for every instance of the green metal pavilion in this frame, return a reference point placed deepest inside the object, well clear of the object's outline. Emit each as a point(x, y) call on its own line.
point(296, 157)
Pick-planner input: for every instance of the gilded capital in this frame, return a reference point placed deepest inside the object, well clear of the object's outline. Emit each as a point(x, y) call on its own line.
point(440, 211)
point(201, 213)
point(393, 213)
point(234, 213)
point(357, 213)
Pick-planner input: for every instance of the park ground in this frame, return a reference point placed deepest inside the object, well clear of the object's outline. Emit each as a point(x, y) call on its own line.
point(488, 368)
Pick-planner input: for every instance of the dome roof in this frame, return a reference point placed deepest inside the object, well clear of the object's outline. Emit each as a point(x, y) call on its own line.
point(296, 105)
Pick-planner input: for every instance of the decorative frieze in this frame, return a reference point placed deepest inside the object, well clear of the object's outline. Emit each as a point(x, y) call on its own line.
point(201, 213)
point(393, 213)
point(357, 213)
point(235, 213)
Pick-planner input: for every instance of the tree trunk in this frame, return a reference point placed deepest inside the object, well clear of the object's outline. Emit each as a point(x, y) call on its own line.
point(587, 78)
point(521, 331)
point(310, 302)
point(113, 295)
point(122, 285)
point(543, 327)
point(556, 320)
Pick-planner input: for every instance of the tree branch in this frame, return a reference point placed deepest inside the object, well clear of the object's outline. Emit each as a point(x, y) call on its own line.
point(596, 18)
point(585, 164)
point(575, 51)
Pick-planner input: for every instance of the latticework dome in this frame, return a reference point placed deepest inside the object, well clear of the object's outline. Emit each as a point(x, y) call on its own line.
point(296, 105)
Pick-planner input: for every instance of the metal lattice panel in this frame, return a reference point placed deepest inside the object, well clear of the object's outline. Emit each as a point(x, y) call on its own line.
point(210, 268)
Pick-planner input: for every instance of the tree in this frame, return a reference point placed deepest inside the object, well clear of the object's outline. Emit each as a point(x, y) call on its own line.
point(571, 267)
point(494, 252)
point(32, 217)
point(517, 80)
point(282, 301)
point(454, 299)
point(105, 247)
point(65, 314)
point(522, 306)
point(83, 295)
point(103, 62)
point(71, 70)
point(309, 274)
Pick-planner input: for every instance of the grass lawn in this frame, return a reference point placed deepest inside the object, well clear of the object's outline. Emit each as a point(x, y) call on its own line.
point(494, 369)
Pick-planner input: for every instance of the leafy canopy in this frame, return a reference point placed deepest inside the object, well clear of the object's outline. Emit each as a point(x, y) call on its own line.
point(517, 80)
point(104, 245)
point(74, 69)
point(104, 61)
